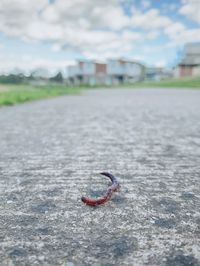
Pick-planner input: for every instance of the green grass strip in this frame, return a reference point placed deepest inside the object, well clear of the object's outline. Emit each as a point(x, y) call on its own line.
point(20, 94)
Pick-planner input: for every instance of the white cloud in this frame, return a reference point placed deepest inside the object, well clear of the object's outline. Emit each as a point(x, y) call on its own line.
point(87, 14)
point(61, 21)
point(149, 20)
point(191, 9)
point(15, 15)
point(174, 28)
point(151, 35)
point(160, 64)
point(82, 25)
point(178, 34)
point(188, 35)
point(27, 63)
point(96, 29)
point(105, 44)
point(39, 30)
point(145, 3)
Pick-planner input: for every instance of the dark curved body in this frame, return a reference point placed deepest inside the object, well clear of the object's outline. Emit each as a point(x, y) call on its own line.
point(112, 188)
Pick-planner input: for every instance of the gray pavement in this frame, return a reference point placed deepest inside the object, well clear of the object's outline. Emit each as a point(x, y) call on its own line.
point(51, 152)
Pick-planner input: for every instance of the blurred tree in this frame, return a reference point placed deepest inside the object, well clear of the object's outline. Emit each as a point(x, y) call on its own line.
point(57, 78)
point(12, 79)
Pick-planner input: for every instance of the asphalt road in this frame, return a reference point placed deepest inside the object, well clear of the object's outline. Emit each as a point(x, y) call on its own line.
point(51, 152)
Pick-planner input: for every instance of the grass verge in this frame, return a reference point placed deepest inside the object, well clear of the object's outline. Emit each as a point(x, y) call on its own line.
point(170, 83)
point(22, 93)
point(13, 94)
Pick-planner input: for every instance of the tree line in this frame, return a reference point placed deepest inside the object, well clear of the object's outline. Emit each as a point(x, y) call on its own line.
point(21, 78)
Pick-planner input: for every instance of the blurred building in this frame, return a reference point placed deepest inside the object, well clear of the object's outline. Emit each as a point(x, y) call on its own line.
point(157, 73)
point(190, 63)
point(124, 71)
point(111, 72)
point(87, 72)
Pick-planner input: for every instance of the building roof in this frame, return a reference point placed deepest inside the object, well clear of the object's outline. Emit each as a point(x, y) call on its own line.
point(192, 49)
point(125, 61)
point(191, 55)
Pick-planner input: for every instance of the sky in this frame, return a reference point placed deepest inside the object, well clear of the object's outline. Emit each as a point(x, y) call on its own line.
point(53, 34)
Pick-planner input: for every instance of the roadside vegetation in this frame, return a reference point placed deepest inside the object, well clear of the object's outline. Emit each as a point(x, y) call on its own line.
point(170, 83)
point(11, 94)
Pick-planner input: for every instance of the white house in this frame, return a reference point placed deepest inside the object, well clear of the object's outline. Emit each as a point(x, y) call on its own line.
point(121, 71)
point(112, 72)
point(87, 72)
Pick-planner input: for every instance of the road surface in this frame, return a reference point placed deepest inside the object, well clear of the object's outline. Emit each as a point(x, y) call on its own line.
point(51, 152)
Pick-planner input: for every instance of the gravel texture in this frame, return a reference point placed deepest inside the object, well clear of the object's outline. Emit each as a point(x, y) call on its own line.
point(51, 152)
